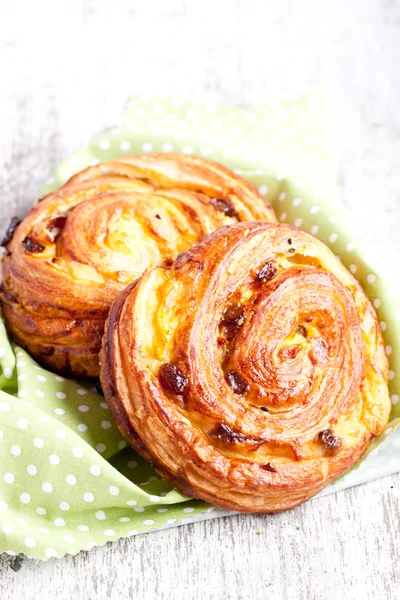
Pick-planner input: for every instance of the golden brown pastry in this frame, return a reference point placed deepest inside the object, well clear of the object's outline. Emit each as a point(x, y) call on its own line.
point(79, 247)
point(250, 372)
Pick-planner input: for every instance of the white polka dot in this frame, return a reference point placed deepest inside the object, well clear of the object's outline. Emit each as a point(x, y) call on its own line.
point(205, 151)
point(9, 478)
point(39, 393)
point(7, 373)
point(188, 509)
point(47, 487)
point(81, 392)
point(4, 406)
point(69, 539)
point(125, 145)
point(114, 490)
point(59, 411)
point(283, 217)
point(315, 209)
point(32, 470)
point(167, 147)
point(371, 278)
point(95, 470)
point(297, 201)
point(51, 553)
point(91, 545)
point(30, 542)
point(3, 506)
point(353, 268)
point(88, 497)
point(132, 464)
point(22, 521)
point(100, 448)
point(109, 532)
point(70, 479)
point(21, 376)
point(77, 452)
point(54, 459)
point(61, 395)
point(64, 506)
point(350, 246)
point(22, 423)
point(83, 528)
point(162, 510)
point(60, 433)
point(147, 147)
point(41, 511)
point(8, 529)
point(83, 408)
point(44, 418)
point(41, 378)
point(59, 522)
point(298, 222)
point(104, 144)
point(82, 427)
point(25, 498)
point(124, 520)
point(59, 378)
point(138, 508)
point(100, 515)
point(263, 189)
point(377, 303)
point(20, 363)
point(187, 149)
point(38, 443)
point(106, 424)
point(154, 499)
point(15, 450)
point(131, 502)
point(383, 325)
point(333, 237)
point(282, 196)
point(148, 522)
point(394, 398)
point(22, 393)
point(44, 530)
point(391, 375)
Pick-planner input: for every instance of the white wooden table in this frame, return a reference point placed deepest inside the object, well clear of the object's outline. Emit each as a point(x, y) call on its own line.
point(66, 70)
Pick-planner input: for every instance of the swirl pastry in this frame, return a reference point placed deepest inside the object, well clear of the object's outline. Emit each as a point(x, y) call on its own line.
point(79, 247)
point(251, 371)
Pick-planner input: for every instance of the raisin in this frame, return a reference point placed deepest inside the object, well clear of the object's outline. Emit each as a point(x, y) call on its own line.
point(172, 378)
point(267, 272)
point(15, 221)
point(292, 250)
point(54, 226)
point(224, 206)
point(264, 408)
point(301, 330)
point(32, 246)
point(330, 441)
point(309, 319)
point(158, 217)
point(289, 241)
point(227, 434)
point(232, 320)
point(238, 384)
point(268, 467)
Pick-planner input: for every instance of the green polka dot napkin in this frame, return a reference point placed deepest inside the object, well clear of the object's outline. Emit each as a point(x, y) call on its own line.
point(68, 481)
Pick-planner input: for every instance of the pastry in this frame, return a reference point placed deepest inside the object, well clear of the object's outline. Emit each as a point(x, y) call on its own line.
point(80, 246)
point(250, 372)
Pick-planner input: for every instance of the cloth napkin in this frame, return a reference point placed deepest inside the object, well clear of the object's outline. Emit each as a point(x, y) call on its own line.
point(68, 481)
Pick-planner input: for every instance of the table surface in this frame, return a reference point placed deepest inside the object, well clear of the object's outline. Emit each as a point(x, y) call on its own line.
point(67, 69)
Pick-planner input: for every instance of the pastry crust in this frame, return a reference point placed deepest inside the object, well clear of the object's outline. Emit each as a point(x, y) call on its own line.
point(82, 245)
point(251, 372)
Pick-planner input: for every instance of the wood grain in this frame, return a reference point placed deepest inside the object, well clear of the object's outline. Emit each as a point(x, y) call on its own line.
point(67, 69)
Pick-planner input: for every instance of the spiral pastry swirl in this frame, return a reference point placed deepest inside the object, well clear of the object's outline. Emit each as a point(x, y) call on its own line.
point(80, 246)
point(251, 371)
